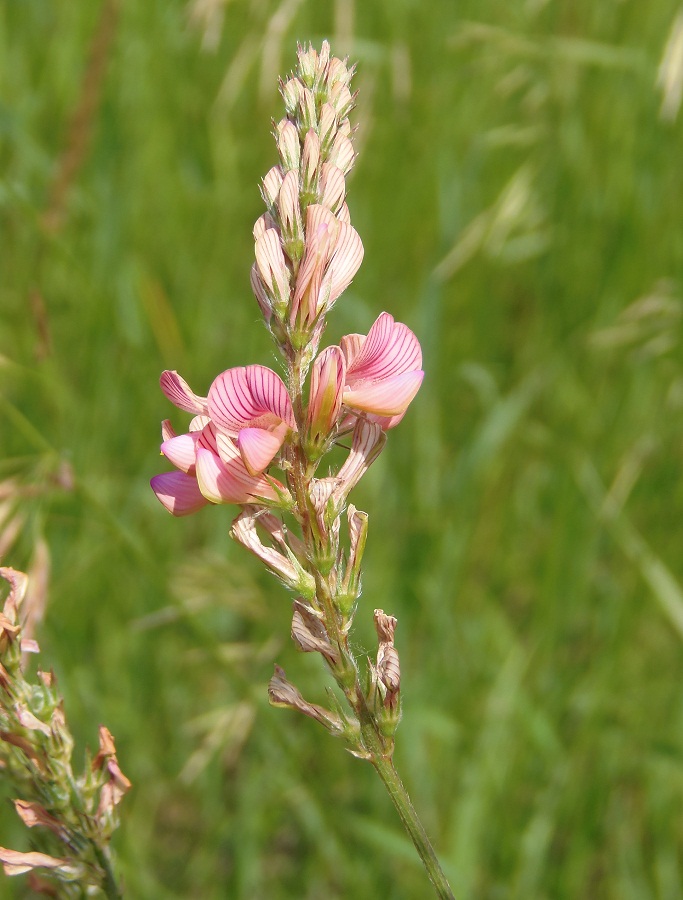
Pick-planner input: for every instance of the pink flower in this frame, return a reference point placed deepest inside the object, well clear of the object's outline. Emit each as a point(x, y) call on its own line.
point(383, 370)
point(251, 404)
point(333, 255)
point(325, 397)
point(210, 467)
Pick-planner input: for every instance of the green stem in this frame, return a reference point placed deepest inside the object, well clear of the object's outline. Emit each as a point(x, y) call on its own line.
point(412, 824)
point(110, 887)
point(345, 670)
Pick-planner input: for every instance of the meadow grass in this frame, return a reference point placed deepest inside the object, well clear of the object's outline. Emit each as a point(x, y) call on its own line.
point(518, 195)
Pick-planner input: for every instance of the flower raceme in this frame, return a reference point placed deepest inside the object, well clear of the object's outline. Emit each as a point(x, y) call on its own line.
point(247, 419)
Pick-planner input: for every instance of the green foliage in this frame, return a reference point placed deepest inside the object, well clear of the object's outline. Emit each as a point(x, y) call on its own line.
point(518, 194)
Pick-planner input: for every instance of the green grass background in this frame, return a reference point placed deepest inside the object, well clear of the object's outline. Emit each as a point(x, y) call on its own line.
point(518, 192)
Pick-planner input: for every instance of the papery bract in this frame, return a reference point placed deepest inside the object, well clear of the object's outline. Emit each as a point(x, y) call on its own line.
point(383, 370)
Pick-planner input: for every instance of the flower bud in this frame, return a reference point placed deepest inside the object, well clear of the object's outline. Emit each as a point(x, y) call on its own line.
point(327, 127)
point(307, 113)
point(288, 145)
point(290, 216)
point(327, 387)
point(291, 94)
point(271, 186)
point(310, 166)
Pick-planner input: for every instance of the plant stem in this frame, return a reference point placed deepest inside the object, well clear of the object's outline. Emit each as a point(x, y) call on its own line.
point(109, 887)
point(412, 824)
point(375, 748)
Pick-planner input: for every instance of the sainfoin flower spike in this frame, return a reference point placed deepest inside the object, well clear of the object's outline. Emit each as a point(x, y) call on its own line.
point(253, 421)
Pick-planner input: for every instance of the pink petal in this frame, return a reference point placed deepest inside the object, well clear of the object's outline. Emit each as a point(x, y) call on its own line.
point(346, 260)
point(230, 482)
point(178, 493)
point(178, 392)
point(385, 397)
point(390, 349)
point(328, 376)
point(249, 396)
point(258, 446)
point(333, 187)
point(167, 430)
point(271, 185)
point(351, 345)
point(272, 267)
point(180, 451)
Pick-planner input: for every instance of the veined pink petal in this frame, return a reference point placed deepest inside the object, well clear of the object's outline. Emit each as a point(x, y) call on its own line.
point(346, 260)
point(328, 377)
point(247, 397)
point(390, 348)
point(178, 493)
point(321, 237)
point(383, 370)
point(178, 392)
point(167, 430)
point(385, 397)
point(198, 423)
point(272, 267)
point(271, 186)
point(332, 187)
point(351, 345)
point(258, 446)
point(262, 224)
point(262, 297)
point(180, 451)
point(229, 482)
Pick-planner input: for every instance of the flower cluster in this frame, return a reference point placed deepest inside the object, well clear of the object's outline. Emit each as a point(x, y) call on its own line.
point(252, 421)
point(77, 815)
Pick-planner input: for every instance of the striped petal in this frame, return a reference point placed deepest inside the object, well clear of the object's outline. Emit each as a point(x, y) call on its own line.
point(258, 446)
point(249, 396)
point(229, 482)
point(180, 451)
point(386, 397)
point(390, 349)
point(178, 493)
point(346, 260)
point(272, 267)
point(178, 392)
point(383, 370)
point(328, 377)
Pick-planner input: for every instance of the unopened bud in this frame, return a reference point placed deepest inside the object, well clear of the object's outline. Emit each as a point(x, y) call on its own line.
point(271, 186)
point(288, 145)
point(327, 127)
point(308, 117)
point(310, 166)
point(290, 216)
point(291, 93)
point(325, 399)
